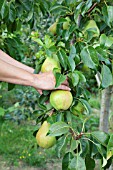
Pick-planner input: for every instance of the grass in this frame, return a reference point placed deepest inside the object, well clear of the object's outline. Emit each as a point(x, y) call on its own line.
point(18, 144)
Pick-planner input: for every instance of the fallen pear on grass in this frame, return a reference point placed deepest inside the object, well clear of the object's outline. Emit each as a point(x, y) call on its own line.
point(43, 140)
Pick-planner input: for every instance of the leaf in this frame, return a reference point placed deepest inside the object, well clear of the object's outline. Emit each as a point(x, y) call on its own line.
point(61, 145)
point(91, 165)
point(93, 55)
point(87, 58)
point(71, 63)
point(75, 78)
point(38, 41)
point(86, 105)
point(103, 39)
point(59, 9)
point(12, 13)
point(59, 79)
point(110, 147)
point(2, 111)
point(72, 53)
point(106, 76)
point(58, 128)
point(4, 10)
point(62, 58)
point(101, 137)
point(88, 4)
point(77, 163)
point(66, 160)
point(1, 3)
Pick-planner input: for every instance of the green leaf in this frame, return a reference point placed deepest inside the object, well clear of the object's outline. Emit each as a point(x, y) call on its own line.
point(66, 160)
point(86, 105)
point(72, 53)
point(4, 9)
point(88, 4)
point(77, 163)
point(58, 128)
point(93, 55)
point(106, 41)
point(71, 63)
point(61, 145)
point(110, 147)
point(62, 58)
point(38, 41)
point(106, 76)
point(2, 111)
point(87, 60)
point(59, 9)
point(101, 137)
point(91, 165)
point(84, 147)
point(75, 78)
point(59, 79)
point(12, 13)
point(81, 76)
point(1, 3)
point(74, 144)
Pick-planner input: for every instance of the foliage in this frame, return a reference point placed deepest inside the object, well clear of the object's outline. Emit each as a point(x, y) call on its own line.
point(75, 47)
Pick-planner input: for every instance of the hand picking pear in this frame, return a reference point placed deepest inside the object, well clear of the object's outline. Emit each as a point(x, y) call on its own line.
point(43, 140)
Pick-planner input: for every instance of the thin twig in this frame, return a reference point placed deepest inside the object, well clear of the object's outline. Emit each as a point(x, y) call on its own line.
point(93, 6)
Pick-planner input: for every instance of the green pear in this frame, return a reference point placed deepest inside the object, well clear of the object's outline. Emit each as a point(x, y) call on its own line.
point(52, 28)
point(78, 109)
point(66, 23)
point(61, 99)
point(91, 25)
point(49, 64)
point(86, 70)
point(43, 140)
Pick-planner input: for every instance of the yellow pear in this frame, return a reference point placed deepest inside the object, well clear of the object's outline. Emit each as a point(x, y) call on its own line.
point(61, 99)
point(43, 140)
point(49, 64)
point(91, 25)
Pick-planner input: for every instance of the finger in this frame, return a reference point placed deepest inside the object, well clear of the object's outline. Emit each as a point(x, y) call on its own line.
point(40, 92)
point(63, 87)
point(66, 83)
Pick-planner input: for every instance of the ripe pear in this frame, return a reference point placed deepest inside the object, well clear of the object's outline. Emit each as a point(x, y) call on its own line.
point(66, 24)
point(52, 28)
point(49, 64)
point(91, 25)
point(61, 99)
point(43, 140)
point(78, 109)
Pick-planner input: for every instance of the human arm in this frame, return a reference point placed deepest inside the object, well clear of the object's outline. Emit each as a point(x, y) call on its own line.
point(6, 58)
point(44, 81)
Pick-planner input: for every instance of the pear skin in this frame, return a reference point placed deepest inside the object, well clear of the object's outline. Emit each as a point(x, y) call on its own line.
point(61, 99)
point(52, 28)
point(66, 24)
point(49, 64)
point(43, 140)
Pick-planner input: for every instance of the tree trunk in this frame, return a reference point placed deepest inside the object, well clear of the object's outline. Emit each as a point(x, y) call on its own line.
point(105, 108)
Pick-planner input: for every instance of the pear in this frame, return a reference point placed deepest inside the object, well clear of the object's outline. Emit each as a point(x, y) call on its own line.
point(43, 140)
point(91, 25)
point(78, 109)
point(66, 24)
point(49, 64)
point(61, 99)
point(52, 28)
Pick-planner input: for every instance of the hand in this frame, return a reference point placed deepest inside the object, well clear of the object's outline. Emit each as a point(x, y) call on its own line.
point(46, 81)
